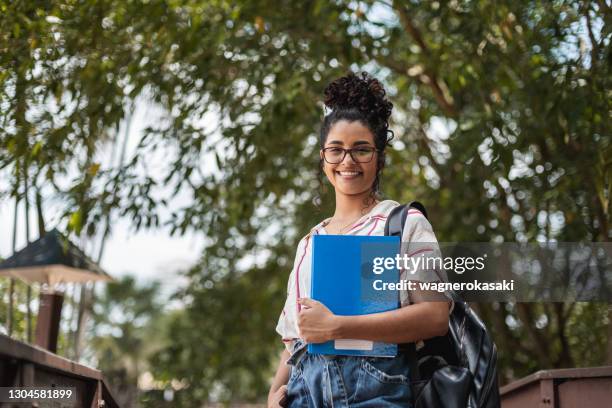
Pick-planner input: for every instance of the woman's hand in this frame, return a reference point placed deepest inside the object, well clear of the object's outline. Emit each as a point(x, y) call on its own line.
point(316, 322)
point(279, 398)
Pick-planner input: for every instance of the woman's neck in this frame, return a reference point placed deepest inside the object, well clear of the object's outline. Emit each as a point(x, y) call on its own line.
point(349, 207)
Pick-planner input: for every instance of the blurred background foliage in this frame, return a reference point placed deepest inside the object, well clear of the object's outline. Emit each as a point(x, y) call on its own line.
point(502, 125)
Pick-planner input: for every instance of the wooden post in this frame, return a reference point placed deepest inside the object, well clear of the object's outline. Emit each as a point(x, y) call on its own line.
point(48, 323)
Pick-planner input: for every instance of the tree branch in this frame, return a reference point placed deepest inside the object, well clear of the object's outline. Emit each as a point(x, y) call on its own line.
point(594, 43)
point(410, 27)
point(525, 313)
point(565, 358)
point(429, 77)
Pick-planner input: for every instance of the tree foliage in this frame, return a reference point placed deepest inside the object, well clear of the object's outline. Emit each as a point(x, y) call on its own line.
point(501, 120)
point(125, 334)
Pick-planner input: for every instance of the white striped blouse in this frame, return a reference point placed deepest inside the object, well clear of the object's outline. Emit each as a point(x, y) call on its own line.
point(416, 230)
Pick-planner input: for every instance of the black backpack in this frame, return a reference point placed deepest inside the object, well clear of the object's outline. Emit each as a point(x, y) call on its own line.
point(459, 369)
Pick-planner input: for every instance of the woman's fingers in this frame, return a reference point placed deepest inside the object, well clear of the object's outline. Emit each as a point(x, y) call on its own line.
point(307, 302)
point(279, 400)
point(283, 396)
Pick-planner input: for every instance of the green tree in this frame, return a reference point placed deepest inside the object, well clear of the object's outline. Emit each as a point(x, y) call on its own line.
point(521, 89)
point(124, 334)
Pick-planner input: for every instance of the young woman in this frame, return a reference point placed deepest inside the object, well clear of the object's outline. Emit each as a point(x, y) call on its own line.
point(353, 139)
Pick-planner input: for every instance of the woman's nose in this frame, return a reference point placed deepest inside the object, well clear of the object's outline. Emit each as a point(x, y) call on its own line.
point(348, 157)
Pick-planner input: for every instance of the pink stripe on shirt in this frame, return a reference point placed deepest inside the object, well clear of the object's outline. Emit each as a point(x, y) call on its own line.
point(420, 250)
point(297, 275)
point(373, 226)
point(374, 217)
point(355, 226)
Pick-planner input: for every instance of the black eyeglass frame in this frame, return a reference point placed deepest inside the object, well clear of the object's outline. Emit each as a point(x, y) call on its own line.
point(349, 151)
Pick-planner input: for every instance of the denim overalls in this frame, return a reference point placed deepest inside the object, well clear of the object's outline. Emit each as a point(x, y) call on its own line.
point(326, 381)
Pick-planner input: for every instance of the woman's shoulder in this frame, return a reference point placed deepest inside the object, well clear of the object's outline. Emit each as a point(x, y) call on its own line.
point(417, 226)
point(383, 208)
point(415, 219)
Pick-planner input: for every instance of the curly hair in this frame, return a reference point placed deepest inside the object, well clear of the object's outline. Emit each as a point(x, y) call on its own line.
point(359, 98)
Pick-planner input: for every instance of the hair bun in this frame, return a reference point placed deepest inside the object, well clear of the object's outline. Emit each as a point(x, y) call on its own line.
point(364, 93)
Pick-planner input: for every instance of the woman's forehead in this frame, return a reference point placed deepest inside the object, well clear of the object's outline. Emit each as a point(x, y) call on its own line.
point(349, 133)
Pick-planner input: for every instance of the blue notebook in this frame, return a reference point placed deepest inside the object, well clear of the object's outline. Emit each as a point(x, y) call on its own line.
point(343, 279)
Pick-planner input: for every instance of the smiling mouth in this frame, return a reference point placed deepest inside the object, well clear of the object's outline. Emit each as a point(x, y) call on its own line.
point(349, 174)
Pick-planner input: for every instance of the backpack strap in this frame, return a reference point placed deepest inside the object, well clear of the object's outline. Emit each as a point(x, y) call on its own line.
point(395, 221)
point(395, 227)
point(397, 218)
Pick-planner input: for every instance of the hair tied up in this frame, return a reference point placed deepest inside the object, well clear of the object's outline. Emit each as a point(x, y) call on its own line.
point(363, 93)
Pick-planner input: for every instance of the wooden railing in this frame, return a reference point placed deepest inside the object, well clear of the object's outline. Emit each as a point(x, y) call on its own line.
point(25, 365)
point(589, 387)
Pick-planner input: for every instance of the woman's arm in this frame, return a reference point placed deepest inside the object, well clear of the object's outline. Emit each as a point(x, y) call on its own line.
point(277, 393)
point(412, 323)
point(418, 321)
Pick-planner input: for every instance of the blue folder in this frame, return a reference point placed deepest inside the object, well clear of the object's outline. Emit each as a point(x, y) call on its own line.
point(343, 280)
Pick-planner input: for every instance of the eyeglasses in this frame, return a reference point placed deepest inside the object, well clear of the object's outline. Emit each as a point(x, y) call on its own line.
point(335, 155)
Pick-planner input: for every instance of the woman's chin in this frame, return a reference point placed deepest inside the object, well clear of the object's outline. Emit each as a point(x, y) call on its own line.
point(352, 191)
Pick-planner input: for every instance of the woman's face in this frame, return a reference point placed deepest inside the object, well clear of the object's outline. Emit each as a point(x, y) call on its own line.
point(350, 177)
